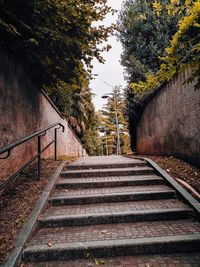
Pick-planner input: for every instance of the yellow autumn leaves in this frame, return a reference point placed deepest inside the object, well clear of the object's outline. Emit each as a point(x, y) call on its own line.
point(173, 7)
point(181, 38)
point(157, 7)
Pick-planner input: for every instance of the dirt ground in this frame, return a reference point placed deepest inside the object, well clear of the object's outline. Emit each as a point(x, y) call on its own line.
point(17, 202)
point(179, 169)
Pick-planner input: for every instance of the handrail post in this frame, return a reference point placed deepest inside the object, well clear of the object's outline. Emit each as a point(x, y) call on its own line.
point(55, 145)
point(39, 157)
point(8, 148)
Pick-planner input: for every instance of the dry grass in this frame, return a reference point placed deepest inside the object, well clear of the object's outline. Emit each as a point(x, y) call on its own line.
point(179, 169)
point(17, 202)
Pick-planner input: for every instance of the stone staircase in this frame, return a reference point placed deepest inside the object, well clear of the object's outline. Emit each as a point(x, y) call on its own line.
point(111, 207)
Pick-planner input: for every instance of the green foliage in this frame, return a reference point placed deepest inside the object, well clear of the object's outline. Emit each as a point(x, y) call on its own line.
point(61, 94)
point(180, 51)
point(84, 120)
point(56, 40)
point(144, 37)
point(91, 137)
point(108, 124)
point(184, 48)
point(53, 37)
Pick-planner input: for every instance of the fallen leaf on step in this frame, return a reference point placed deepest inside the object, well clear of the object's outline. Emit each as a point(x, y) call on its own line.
point(66, 190)
point(49, 244)
point(168, 170)
point(89, 256)
point(104, 232)
point(99, 262)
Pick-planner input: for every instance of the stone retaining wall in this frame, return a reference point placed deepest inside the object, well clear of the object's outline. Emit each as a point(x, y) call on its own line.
point(170, 123)
point(24, 110)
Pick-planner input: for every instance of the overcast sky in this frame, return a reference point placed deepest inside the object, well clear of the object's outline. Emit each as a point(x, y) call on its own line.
point(111, 71)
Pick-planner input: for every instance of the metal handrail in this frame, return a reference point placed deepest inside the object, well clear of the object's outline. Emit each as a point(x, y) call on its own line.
point(25, 139)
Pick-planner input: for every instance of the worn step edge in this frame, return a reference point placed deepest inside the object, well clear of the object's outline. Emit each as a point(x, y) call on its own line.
point(104, 166)
point(115, 217)
point(109, 248)
point(107, 173)
point(114, 197)
point(111, 183)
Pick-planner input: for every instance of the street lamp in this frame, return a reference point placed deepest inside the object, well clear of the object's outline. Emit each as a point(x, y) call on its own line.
point(116, 117)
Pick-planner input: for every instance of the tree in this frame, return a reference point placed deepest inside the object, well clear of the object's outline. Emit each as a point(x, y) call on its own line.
point(108, 124)
point(180, 49)
point(56, 41)
point(84, 120)
point(144, 37)
point(183, 51)
point(54, 37)
point(91, 137)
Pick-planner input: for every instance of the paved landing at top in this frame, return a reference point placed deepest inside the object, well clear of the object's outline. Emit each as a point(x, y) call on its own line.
point(101, 160)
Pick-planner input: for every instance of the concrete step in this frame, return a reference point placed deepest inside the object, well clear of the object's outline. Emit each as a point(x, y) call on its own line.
point(110, 240)
point(136, 163)
point(111, 160)
point(108, 172)
point(115, 217)
point(108, 190)
point(109, 182)
point(129, 206)
point(160, 260)
point(116, 248)
point(111, 194)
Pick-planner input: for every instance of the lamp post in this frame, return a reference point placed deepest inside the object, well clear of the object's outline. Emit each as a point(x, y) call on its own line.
point(116, 118)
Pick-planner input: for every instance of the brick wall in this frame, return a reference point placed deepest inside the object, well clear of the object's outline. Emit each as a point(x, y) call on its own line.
point(170, 123)
point(24, 110)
